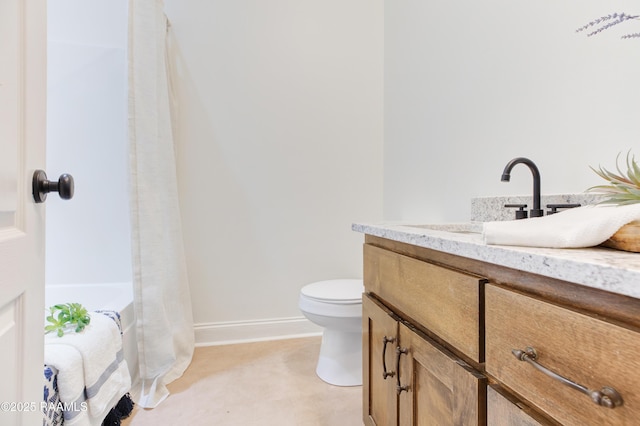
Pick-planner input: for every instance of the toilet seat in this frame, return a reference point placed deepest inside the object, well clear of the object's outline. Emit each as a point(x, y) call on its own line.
point(335, 291)
point(332, 298)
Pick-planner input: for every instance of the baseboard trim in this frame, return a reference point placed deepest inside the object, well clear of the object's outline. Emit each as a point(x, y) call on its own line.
point(225, 333)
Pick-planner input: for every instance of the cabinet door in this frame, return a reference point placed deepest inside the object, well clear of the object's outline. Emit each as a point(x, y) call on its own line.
point(437, 387)
point(379, 340)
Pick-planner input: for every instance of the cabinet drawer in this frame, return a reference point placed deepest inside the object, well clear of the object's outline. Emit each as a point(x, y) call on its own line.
point(502, 412)
point(445, 302)
point(585, 350)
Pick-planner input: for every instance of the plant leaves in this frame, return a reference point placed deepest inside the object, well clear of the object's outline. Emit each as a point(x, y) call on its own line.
point(69, 314)
point(623, 188)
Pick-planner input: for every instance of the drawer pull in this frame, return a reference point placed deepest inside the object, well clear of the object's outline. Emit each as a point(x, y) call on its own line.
point(606, 397)
point(400, 351)
point(386, 373)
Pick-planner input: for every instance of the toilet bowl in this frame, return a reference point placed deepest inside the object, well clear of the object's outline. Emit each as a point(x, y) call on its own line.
point(336, 305)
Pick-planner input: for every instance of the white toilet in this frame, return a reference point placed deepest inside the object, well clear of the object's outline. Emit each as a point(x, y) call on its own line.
point(336, 305)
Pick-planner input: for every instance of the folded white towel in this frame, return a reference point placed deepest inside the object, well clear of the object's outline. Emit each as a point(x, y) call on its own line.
point(68, 361)
point(585, 226)
point(92, 372)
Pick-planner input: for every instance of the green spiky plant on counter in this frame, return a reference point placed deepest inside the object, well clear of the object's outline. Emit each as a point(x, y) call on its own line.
point(67, 315)
point(623, 188)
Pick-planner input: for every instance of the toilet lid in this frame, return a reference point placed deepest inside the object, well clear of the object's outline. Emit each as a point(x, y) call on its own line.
point(345, 290)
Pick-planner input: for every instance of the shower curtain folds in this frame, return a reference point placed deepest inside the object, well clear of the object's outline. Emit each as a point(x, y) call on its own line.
point(164, 322)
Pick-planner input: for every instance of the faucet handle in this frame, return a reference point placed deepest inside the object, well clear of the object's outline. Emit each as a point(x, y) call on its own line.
point(521, 213)
point(554, 207)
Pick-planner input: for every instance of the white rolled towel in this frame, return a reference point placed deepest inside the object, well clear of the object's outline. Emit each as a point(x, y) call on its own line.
point(91, 370)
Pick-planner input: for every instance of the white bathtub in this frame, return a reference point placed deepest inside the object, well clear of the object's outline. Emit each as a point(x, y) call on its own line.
point(109, 296)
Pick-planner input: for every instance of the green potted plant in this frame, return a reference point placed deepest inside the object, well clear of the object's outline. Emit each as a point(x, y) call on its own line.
point(622, 188)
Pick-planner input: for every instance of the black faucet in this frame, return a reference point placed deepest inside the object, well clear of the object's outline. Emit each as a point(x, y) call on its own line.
point(506, 176)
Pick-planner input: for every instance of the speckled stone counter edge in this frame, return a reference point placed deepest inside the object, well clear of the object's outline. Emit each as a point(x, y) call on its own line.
point(487, 209)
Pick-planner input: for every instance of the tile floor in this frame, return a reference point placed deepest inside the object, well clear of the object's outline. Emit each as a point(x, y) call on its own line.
point(264, 383)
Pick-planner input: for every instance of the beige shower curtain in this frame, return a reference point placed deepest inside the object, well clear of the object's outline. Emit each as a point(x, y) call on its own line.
point(161, 292)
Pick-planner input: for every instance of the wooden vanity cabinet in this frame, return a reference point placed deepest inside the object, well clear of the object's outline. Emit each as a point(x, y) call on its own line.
point(459, 332)
point(421, 326)
point(411, 380)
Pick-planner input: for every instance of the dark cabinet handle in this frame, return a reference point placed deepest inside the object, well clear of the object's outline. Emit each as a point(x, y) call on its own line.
point(386, 373)
point(606, 397)
point(399, 352)
point(64, 186)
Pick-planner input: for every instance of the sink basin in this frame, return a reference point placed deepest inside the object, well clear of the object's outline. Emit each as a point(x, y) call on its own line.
point(457, 228)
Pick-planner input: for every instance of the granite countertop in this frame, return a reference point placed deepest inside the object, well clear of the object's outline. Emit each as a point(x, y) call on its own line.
point(598, 267)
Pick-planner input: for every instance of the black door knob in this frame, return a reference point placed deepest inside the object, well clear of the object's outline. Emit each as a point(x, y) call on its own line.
point(41, 186)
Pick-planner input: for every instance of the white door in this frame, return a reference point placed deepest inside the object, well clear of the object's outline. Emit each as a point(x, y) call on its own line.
point(22, 150)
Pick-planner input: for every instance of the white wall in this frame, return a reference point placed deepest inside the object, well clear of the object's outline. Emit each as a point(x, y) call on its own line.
point(469, 85)
point(280, 147)
point(280, 142)
point(88, 239)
